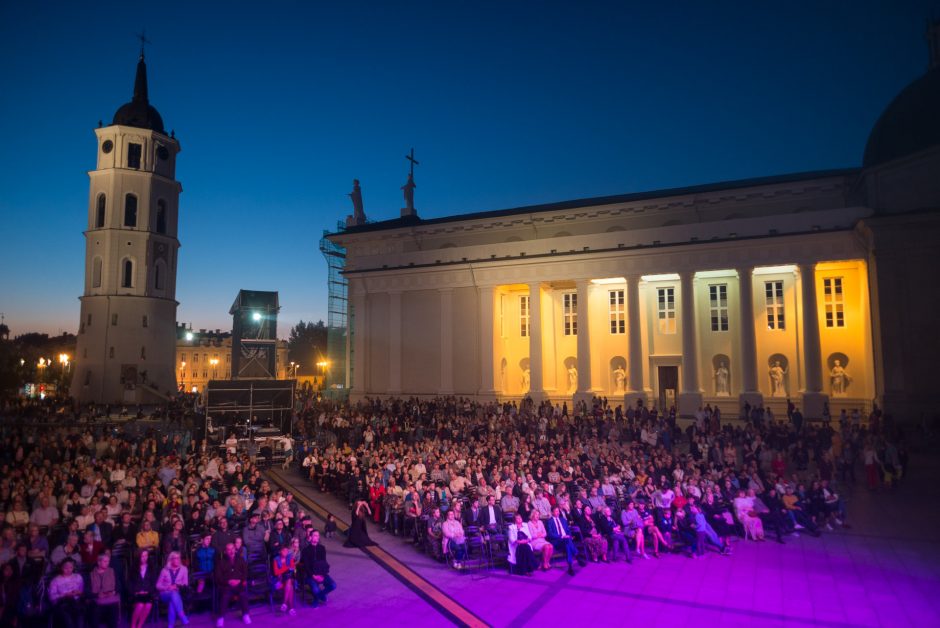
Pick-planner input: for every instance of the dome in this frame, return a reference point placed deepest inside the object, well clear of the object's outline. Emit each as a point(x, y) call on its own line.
point(139, 112)
point(140, 115)
point(910, 124)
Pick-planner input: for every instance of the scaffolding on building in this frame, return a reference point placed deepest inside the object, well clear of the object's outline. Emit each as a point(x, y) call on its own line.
point(338, 373)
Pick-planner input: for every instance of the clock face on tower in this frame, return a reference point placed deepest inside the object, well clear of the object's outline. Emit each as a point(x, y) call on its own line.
point(163, 153)
point(107, 147)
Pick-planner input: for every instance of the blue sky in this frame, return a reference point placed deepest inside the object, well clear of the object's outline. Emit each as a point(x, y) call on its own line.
point(279, 106)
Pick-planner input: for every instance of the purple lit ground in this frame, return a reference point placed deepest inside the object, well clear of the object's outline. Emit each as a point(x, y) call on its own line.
point(885, 571)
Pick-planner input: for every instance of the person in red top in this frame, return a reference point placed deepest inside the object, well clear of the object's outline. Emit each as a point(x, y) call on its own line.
point(90, 549)
point(376, 499)
point(284, 568)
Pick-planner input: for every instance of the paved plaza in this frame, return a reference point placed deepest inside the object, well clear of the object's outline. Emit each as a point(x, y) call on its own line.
point(884, 571)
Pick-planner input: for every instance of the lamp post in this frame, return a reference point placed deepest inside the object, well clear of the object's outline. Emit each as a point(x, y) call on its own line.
point(293, 367)
point(183, 374)
point(214, 362)
point(323, 365)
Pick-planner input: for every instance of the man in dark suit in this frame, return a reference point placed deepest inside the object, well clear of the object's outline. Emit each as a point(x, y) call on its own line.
point(559, 535)
point(492, 515)
point(102, 528)
point(474, 515)
point(316, 569)
point(612, 531)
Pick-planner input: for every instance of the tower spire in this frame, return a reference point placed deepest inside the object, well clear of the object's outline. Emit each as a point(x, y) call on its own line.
point(140, 80)
point(933, 41)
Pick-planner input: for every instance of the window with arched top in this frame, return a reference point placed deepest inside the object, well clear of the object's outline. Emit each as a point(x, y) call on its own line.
point(96, 273)
point(130, 210)
point(99, 211)
point(127, 273)
point(161, 216)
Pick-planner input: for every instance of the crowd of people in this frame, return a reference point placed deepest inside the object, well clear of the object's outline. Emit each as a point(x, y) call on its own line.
point(104, 519)
point(528, 483)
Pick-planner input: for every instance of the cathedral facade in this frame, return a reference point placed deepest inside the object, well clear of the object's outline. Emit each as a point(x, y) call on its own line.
point(812, 287)
point(127, 331)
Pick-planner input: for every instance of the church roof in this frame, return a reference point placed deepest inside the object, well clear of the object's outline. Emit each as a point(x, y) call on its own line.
point(414, 221)
point(139, 112)
point(910, 123)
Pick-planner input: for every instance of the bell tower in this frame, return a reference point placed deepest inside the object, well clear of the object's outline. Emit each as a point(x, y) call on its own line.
point(127, 332)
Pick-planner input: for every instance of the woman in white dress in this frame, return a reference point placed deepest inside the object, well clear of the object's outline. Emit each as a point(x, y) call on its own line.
point(744, 510)
point(539, 544)
point(521, 559)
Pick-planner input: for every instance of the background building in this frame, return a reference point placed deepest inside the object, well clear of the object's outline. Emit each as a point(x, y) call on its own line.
point(202, 355)
point(812, 286)
point(128, 308)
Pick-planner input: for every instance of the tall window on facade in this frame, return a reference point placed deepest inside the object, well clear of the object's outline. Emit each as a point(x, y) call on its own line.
point(130, 211)
point(773, 293)
point(114, 319)
point(96, 273)
point(570, 311)
point(88, 377)
point(99, 211)
point(133, 156)
point(666, 306)
point(111, 352)
point(127, 274)
point(524, 316)
point(618, 324)
point(158, 276)
point(161, 216)
point(195, 357)
point(145, 321)
point(834, 302)
point(718, 304)
point(143, 353)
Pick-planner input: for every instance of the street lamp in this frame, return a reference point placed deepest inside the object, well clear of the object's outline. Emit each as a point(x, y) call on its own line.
point(214, 362)
point(64, 361)
point(293, 367)
point(323, 365)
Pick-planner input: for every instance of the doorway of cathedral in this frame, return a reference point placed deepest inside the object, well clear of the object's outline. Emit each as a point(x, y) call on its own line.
point(668, 387)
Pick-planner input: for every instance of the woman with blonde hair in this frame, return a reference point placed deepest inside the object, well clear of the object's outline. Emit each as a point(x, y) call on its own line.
point(538, 541)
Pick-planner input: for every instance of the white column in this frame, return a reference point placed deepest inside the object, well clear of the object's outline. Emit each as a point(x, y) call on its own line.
point(487, 295)
point(813, 396)
point(690, 399)
point(447, 341)
point(359, 367)
point(394, 343)
point(536, 383)
point(585, 390)
point(749, 393)
point(635, 342)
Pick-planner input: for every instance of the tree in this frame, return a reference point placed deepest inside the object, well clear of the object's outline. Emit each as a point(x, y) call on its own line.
point(307, 345)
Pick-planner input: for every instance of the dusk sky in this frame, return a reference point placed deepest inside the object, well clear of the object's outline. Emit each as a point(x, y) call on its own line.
point(278, 106)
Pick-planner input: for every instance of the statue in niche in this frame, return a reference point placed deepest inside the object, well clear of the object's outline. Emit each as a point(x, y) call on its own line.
point(839, 379)
point(620, 379)
point(572, 378)
point(722, 380)
point(778, 387)
point(525, 379)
